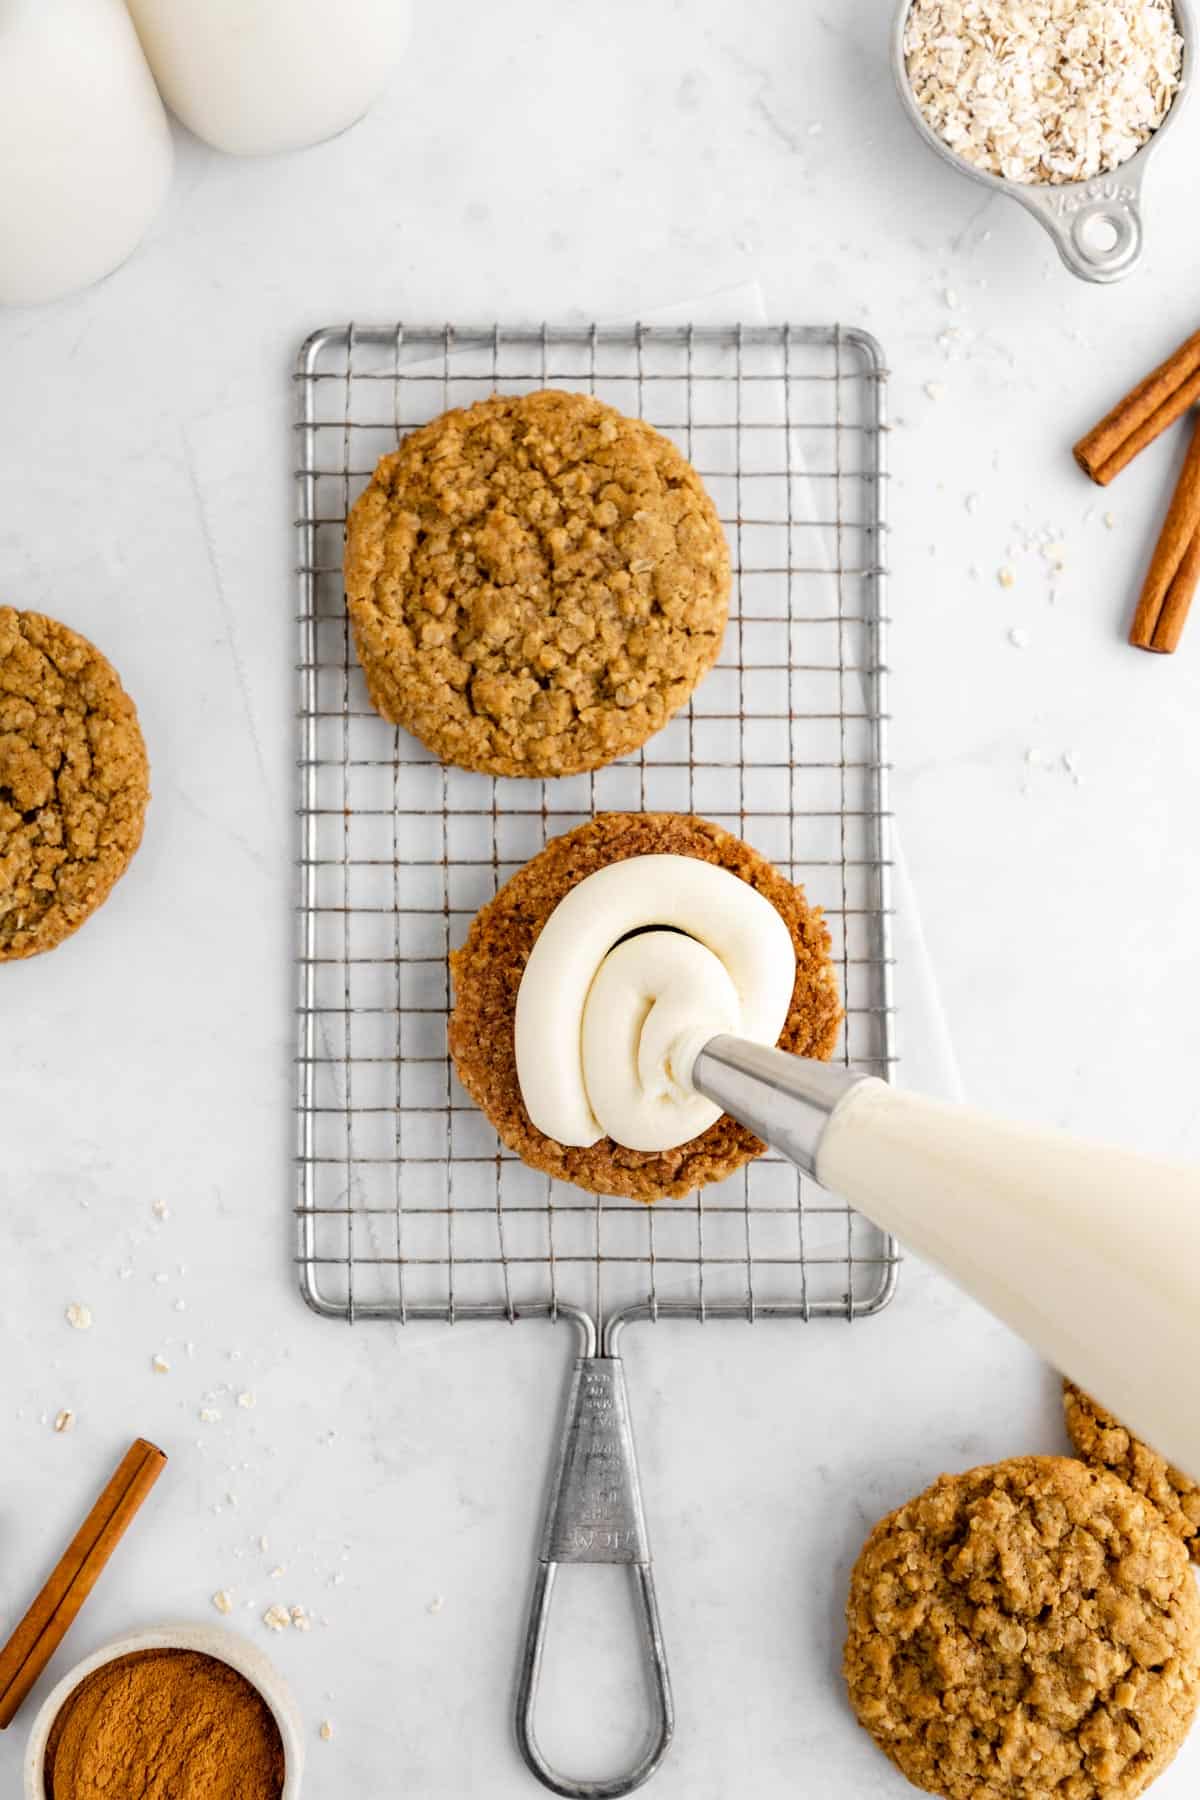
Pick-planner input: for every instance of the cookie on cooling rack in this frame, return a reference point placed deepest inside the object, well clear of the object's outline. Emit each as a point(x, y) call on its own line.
point(74, 782)
point(1026, 1631)
point(487, 975)
point(536, 584)
point(1105, 1443)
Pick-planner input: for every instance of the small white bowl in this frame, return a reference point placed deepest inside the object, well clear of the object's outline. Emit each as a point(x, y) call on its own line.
point(210, 1640)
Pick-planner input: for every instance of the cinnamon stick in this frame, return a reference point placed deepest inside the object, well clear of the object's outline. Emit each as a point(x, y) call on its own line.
point(1165, 395)
point(50, 1617)
point(1175, 566)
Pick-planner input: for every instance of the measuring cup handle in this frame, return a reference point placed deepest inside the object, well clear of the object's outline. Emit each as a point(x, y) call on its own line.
point(1096, 226)
point(594, 1515)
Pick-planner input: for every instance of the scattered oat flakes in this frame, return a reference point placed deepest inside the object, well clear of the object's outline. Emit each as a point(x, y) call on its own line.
point(209, 1415)
point(161, 1210)
point(245, 1400)
point(951, 298)
point(280, 1570)
point(1110, 519)
point(223, 1600)
point(935, 389)
point(1018, 638)
point(181, 1306)
point(436, 1604)
point(262, 1544)
point(1044, 90)
point(65, 1420)
point(1033, 756)
point(972, 503)
point(1006, 576)
point(277, 1618)
point(78, 1316)
point(326, 1731)
point(300, 1619)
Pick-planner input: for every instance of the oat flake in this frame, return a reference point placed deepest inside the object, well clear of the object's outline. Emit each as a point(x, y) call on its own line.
point(1044, 90)
point(79, 1317)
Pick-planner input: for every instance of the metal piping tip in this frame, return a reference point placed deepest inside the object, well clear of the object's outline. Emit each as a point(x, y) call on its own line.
point(785, 1100)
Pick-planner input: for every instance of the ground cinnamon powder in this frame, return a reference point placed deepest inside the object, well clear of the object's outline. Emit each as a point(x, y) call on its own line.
point(164, 1725)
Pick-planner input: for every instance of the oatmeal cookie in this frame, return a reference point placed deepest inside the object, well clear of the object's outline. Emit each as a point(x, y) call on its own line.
point(1028, 1631)
point(536, 584)
point(73, 782)
point(487, 975)
point(1104, 1442)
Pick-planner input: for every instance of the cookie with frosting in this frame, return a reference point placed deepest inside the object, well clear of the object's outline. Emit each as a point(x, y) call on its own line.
point(796, 1005)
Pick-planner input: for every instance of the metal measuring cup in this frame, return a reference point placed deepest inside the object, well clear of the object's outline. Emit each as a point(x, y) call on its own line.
point(1096, 225)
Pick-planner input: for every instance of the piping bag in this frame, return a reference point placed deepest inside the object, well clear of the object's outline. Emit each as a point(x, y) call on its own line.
point(1092, 1255)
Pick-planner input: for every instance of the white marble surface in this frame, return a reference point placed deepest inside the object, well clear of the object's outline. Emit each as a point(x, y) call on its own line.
point(537, 161)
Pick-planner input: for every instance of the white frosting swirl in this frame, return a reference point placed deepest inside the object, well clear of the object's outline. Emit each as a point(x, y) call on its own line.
point(608, 1025)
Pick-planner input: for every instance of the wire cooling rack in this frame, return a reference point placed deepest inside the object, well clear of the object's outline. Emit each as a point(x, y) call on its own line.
point(407, 1206)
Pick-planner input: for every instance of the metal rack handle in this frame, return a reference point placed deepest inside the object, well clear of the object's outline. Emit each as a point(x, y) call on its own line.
point(594, 1515)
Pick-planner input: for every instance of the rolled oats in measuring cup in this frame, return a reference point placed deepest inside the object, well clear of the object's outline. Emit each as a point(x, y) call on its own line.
point(1058, 103)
